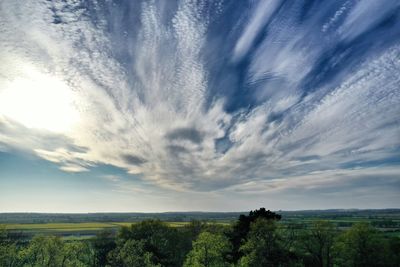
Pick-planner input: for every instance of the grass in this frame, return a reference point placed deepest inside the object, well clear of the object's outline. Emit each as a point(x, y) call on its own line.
point(77, 226)
point(56, 226)
point(72, 229)
point(89, 229)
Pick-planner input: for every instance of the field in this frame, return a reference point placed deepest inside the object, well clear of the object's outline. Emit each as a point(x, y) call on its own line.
point(78, 226)
point(71, 230)
point(384, 221)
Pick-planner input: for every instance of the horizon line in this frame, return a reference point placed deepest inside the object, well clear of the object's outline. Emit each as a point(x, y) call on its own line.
point(164, 212)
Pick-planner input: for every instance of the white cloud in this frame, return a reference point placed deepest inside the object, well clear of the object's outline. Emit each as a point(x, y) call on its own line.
point(153, 117)
point(334, 179)
point(365, 15)
point(259, 17)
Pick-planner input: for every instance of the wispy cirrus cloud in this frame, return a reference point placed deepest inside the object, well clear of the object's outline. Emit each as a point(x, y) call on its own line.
point(334, 180)
point(313, 89)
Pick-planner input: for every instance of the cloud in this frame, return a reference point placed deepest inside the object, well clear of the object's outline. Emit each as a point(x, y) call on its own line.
point(258, 18)
point(314, 97)
point(189, 134)
point(366, 15)
point(329, 181)
point(134, 160)
point(73, 168)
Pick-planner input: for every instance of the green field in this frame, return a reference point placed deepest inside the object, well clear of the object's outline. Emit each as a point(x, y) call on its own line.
point(89, 229)
point(73, 226)
point(78, 226)
point(72, 230)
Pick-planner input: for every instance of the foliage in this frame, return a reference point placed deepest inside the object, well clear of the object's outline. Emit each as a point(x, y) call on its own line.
point(361, 246)
point(8, 250)
point(43, 251)
point(209, 250)
point(264, 245)
point(258, 239)
point(77, 254)
point(160, 240)
point(52, 251)
point(242, 227)
point(316, 244)
point(102, 244)
point(132, 254)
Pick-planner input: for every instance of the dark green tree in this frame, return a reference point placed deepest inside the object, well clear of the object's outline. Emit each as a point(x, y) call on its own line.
point(393, 251)
point(102, 244)
point(132, 254)
point(42, 251)
point(264, 246)
point(209, 250)
point(8, 249)
point(162, 241)
point(317, 243)
point(361, 246)
point(77, 253)
point(242, 227)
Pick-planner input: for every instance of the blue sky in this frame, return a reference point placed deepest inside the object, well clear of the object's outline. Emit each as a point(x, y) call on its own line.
point(199, 105)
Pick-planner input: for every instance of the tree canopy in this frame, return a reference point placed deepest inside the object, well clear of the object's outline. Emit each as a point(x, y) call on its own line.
point(258, 239)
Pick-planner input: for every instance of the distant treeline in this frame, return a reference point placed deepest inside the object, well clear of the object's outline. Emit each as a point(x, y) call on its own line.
point(114, 217)
point(258, 239)
point(8, 218)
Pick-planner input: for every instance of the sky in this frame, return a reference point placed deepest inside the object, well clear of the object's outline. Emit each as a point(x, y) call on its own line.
point(194, 105)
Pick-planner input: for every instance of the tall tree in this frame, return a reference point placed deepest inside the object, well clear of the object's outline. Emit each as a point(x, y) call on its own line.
point(361, 246)
point(264, 246)
point(77, 253)
point(162, 241)
point(242, 227)
point(43, 251)
point(132, 254)
point(8, 249)
point(103, 243)
point(317, 243)
point(209, 250)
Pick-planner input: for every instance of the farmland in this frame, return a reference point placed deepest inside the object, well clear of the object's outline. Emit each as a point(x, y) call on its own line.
point(70, 230)
point(81, 226)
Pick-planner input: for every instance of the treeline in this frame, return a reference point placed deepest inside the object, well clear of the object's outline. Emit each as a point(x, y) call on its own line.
point(257, 239)
point(384, 217)
point(9, 218)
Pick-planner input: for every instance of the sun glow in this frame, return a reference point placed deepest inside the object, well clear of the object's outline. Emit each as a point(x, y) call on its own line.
point(39, 101)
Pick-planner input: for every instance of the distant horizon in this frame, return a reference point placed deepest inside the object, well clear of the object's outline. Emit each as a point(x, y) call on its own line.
point(198, 211)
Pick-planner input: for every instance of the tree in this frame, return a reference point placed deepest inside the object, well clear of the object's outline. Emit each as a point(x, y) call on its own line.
point(77, 253)
point(317, 244)
point(8, 249)
point(194, 228)
point(163, 242)
point(43, 251)
point(102, 244)
point(393, 251)
point(132, 254)
point(263, 246)
point(8, 255)
point(209, 250)
point(360, 246)
point(242, 228)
